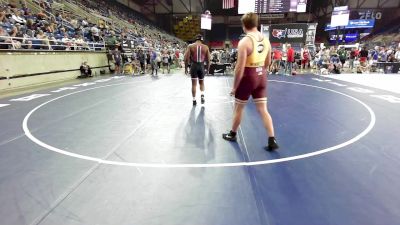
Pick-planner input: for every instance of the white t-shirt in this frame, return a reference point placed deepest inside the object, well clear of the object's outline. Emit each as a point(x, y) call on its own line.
point(397, 55)
point(95, 31)
point(18, 19)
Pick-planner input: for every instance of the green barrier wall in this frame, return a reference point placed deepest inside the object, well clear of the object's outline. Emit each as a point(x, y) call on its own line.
point(20, 68)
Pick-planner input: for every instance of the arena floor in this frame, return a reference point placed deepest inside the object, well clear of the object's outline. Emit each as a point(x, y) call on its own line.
point(123, 150)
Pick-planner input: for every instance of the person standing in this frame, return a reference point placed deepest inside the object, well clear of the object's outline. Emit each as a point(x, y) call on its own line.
point(305, 57)
point(284, 57)
point(117, 59)
point(142, 58)
point(165, 61)
point(153, 62)
point(290, 59)
point(364, 55)
point(196, 55)
point(254, 58)
point(352, 57)
point(277, 58)
point(342, 56)
point(148, 59)
point(177, 63)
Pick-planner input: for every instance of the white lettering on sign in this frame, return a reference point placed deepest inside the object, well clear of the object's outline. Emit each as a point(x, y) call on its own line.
point(102, 80)
point(338, 84)
point(367, 15)
point(64, 89)
point(389, 98)
point(29, 98)
point(84, 84)
point(4, 105)
point(360, 90)
point(294, 33)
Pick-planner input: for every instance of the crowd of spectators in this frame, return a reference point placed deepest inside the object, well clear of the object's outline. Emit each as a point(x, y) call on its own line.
point(365, 59)
point(53, 30)
point(335, 60)
point(22, 29)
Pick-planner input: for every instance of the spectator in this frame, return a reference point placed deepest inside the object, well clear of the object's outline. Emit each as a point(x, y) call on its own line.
point(382, 55)
point(42, 15)
point(276, 63)
point(85, 69)
point(5, 41)
point(364, 55)
point(342, 56)
point(95, 34)
point(335, 59)
point(305, 57)
point(177, 63)
point(165, 61)
point(397, 55)
point(154, 63)
point(117, 60)
point(290, 59)
point(352, 57)
point(148, 60)
point(53, 27)
point(142, 59)
point(26, 11)
point(81, 44)
point(84, 22)
point(16, 18)
point(2, 15)
point(112, 40)
point(375, 54)
point(44, 41)
point(30, 25)
point(67, 42)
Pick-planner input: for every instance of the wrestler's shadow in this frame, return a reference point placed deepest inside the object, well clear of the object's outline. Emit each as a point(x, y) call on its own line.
point(199, 136)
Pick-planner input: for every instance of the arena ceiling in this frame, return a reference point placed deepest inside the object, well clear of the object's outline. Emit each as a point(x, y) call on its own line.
point(215, 6)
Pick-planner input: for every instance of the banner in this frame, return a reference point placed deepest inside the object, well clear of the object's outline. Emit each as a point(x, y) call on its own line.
point(348, 38)
point(287, 33)
point(354, 24)
point(361, 24)
point(311, 32)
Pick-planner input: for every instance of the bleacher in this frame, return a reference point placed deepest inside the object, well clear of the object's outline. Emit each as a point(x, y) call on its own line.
point(73, 20)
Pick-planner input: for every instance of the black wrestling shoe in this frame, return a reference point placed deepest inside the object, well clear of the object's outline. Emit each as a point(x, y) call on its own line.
point(194, 102)
point(272, 144)
point(202, 99)
point(231, 136)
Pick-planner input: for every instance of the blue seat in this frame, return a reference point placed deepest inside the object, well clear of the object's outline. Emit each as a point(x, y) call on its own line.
point(58, 36)
point(36, 44)
point(7, 25)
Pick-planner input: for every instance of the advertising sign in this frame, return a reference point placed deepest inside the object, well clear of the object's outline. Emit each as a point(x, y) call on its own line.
point(290, 33)
point(311, 32)
point(354, 24)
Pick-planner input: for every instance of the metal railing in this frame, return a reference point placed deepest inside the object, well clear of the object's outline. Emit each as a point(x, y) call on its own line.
point(18, 43)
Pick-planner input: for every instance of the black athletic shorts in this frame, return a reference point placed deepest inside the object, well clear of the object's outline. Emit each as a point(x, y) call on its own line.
point(197, 71)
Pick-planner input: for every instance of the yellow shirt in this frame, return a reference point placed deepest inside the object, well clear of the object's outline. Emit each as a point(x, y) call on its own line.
point(260, 52)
